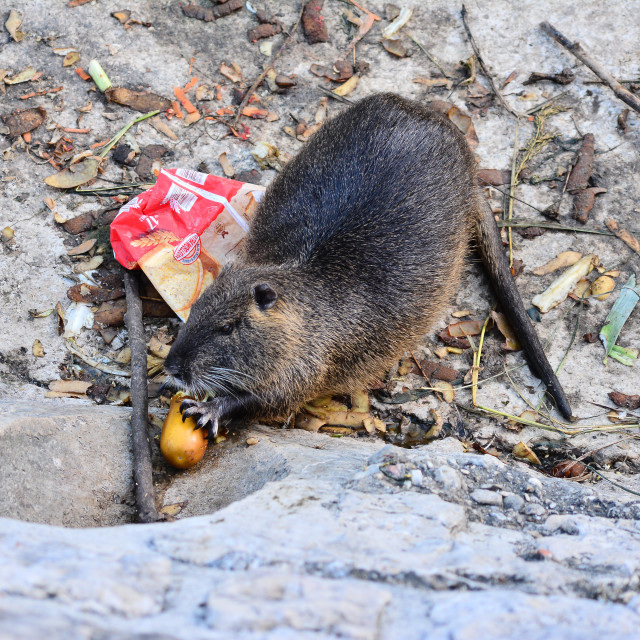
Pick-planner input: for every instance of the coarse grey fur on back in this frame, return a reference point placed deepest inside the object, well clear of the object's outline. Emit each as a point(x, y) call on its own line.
point(358, 244)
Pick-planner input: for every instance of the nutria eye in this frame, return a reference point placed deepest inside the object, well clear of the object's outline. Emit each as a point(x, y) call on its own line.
point(226, 329)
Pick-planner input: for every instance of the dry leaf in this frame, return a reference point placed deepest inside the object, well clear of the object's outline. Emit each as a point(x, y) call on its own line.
point(159, 125)
point(87, 245)
point(226, 165)
point(602, 287)
point(172, 510)
point(233, 73)
point(23, 76)
point(445, 389)
point(569, 469)
point(465, 328)
point(40, 314)
point(395, 47)
point(562, 260)
point(347, 87)
point(13, 25)
point(522, 451)
point(434, 82)
point(72, 58)
point(625, 401)
point(37, 349)
point(82, 172)
point(20, 122)
point(623, 234)
point(94, 263)
point(511, 342)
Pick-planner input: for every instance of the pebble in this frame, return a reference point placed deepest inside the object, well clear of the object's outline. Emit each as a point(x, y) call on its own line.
point(416, 477)
point(513, 501)
point(484, 496)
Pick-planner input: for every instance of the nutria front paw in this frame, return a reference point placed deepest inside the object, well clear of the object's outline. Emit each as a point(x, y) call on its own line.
point(206, 414)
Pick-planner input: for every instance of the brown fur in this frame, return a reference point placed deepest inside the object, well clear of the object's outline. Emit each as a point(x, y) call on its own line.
point(358, 245)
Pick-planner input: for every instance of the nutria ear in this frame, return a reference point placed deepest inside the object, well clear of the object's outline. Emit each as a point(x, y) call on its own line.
point(265, 296)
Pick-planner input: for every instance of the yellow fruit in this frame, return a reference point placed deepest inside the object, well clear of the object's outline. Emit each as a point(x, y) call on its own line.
point(182, 445)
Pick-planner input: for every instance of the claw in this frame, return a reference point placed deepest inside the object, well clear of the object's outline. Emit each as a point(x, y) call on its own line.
point(205, 414)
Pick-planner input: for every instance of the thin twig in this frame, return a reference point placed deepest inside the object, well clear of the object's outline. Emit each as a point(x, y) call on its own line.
point(474, 46)
point(263, 75)
point(142, 472)
point(542, 105)
point(476, 362)
point(431, 57)
point(549, 225)
point(576, 49)
point(615, 484)
point(512, 189)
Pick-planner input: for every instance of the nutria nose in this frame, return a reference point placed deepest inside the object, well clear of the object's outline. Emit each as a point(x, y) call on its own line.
point(172, 364)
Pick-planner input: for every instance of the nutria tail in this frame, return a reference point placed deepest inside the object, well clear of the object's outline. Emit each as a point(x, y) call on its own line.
point(507, 293)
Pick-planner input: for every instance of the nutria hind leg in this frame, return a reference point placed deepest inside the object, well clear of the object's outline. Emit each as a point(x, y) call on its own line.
point(495, 261)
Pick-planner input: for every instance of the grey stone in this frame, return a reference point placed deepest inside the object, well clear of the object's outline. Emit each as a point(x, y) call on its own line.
point(513, 501)
point(65, 462)
point(534, 510)
point(448, 478)
point(484, 496)
point(416, 477)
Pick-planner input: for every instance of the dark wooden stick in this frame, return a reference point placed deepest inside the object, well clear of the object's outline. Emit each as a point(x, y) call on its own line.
point(142, 474)
point(576, 49)
point(474, 46)
point(263, 75)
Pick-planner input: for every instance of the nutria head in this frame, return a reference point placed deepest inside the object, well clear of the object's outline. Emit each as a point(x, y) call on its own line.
point(240, 333)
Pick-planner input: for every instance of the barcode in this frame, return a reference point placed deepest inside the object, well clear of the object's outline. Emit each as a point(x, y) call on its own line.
point(190, 174)
point(178, 199)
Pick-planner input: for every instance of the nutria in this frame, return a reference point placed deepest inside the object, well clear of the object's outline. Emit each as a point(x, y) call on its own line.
point(354, 251)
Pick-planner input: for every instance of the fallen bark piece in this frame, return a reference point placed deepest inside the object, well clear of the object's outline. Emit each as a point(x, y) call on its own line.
point(439, 371)
point(625, 401)
point(622, 120)
point(583, 165)
point(493, 177)
point(265, 30)
point(583, 202)
point(565, 76)
point(92, 294)
point(342, 70)
point(313, 24)
point(560, 288)
point(143, 101)
point(450, 341)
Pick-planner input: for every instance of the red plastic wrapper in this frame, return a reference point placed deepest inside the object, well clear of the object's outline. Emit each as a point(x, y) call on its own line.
point(183, 230)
